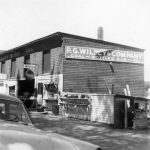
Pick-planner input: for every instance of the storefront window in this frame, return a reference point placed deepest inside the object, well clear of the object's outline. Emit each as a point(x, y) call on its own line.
point(46, 62)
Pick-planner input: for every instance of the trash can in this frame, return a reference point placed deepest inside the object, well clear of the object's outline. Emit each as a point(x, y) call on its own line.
point(55, 109)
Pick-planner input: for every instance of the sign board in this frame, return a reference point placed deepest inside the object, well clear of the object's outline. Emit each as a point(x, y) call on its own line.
point(75, 52)
point(30, 66)
point(47, 79)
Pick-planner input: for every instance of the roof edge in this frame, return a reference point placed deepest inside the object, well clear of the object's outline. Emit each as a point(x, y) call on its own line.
point(62, 34)
point(99, 41)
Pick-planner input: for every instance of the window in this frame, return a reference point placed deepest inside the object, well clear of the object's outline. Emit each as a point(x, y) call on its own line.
point(14, 108)
point(3, 67)
point(13, 111)
point(27, 59)
point(17, 112)
point(13, 67)
point(3, 114)
point(46, 62)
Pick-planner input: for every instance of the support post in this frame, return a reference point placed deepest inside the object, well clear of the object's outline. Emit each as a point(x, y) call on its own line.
point(125, 115)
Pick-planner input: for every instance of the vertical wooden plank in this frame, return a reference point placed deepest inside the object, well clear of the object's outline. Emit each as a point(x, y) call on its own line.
point(125, 114)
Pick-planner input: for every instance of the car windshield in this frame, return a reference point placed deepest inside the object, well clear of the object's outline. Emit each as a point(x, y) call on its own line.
point(13, 111)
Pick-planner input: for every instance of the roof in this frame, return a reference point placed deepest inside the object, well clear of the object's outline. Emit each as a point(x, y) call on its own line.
point(132, 97)
point(98, 41)
point(61, 35)
point(10, 98)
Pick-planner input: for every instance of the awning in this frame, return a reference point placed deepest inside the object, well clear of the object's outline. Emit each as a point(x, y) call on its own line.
point(132, 97)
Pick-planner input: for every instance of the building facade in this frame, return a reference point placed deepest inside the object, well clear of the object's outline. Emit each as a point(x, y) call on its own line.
point(75, 64)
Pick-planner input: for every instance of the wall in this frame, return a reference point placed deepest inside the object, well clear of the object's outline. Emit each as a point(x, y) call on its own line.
point(102, 108)
point(19, 67)
point(56, 61)
point(37, 58)
point(99, 108)
point(89, 76)
point(8, 67)
point(79, 108)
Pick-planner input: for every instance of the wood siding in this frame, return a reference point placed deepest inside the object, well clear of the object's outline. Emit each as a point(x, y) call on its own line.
point(20, 67)
point(90, 76)
point(37, 59)
point(56, 61)
point(102, 108)
point(8, 67)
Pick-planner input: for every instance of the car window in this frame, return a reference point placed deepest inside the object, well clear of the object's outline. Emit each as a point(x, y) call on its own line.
point(2, 110)
point(13, 111)
point(16, 112)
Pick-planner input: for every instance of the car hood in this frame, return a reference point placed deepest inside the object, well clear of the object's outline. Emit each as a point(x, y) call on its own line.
point(14, 136)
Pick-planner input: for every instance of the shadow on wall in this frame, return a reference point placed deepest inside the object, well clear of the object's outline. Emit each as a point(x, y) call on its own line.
point(98, 85)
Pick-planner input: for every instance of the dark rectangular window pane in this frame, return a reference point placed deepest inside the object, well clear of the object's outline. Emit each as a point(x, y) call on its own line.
point(40, 88)
point(13, 68)
point(3, 67)
point(46, 62)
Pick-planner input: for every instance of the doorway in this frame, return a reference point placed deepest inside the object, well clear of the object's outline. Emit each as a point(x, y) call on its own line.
point(26, 92)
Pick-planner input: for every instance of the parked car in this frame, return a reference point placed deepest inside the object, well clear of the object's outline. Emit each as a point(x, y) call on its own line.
point(17, 131)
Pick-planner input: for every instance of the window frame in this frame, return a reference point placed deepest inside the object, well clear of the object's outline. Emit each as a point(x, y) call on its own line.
point(46, 69)
point(3, 67)
point(13, 68)
point(8, 104)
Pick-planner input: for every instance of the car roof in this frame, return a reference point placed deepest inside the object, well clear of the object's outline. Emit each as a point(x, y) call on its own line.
point(10, 98)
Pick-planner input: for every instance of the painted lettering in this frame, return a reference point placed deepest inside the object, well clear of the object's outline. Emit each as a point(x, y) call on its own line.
point(68, 49)
point(83, 51)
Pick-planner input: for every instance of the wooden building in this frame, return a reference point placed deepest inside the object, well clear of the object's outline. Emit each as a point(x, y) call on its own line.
point(74, 64)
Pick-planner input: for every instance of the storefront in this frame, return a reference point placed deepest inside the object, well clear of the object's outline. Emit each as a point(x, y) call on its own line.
point(48, 88)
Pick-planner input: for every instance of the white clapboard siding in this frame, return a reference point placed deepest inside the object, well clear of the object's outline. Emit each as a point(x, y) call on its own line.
point(102, 108)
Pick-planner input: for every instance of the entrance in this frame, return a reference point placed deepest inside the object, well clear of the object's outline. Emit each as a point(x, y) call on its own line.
point(130, 112)
point(119, 112)
point(26, 92)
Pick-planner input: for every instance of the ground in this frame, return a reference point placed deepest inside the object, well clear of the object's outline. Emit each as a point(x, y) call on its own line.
point(103, 135)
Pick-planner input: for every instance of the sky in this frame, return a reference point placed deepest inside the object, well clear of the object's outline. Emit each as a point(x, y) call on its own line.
point(124, 21)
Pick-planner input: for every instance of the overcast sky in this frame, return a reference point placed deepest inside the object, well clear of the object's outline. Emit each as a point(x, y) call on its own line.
point(124, 21)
